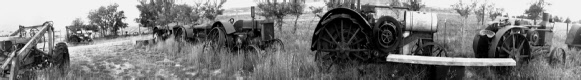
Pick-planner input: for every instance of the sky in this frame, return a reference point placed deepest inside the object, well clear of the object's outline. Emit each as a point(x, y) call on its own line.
point(63, 12)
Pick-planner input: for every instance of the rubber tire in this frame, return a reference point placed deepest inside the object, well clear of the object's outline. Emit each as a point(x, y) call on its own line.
point(61, 57)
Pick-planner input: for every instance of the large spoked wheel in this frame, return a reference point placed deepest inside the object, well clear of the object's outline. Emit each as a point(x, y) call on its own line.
point(344, 39)
point(512, 44)
point(430, 49)
point(557, 55)
point(217, 37)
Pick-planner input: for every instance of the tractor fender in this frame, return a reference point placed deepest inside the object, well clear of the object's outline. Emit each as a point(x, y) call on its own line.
point(498, 36)
point(341, 13)
point(227, 26)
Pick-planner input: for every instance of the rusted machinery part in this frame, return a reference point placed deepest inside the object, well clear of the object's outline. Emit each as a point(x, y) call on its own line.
point(339, 13)
point(431, 49)
point(511, 45)
point(556, 54)
point(503, 39)
point(388, 34)
point(533, 37)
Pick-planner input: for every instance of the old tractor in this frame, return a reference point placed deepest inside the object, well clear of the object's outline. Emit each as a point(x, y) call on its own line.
point(22, 53)
point(352, 33)
point(509, 38)
point(244, 34)
point(517, 39)
point(77, 35)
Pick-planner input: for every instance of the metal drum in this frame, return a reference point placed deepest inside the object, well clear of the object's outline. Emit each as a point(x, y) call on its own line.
point(421, 21)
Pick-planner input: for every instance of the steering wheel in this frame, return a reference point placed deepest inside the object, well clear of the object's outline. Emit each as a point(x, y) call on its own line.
point(231, 20)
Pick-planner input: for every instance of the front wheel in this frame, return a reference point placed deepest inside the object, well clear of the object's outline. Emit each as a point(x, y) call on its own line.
point(61, 58)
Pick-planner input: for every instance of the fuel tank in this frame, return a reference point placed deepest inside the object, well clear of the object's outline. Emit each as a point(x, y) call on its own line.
point(421, 21)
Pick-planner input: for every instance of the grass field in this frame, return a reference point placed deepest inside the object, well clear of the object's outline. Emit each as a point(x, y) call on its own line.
point(176, 60)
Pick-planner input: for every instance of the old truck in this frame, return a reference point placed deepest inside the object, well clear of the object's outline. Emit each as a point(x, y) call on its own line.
point(22, 53)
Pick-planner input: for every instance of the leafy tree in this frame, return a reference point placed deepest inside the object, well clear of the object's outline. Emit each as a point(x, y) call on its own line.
point(414, 5)
point(210, 9)
point(155, 12)
point(107, 18)
point(557, 19)
point(184, 14)
point(536, 9)
point(464, 9)
point(163, 12)
point(567, 20)
point(297, 7)
point(481, 12)
point(272, 9)
point(317, 11)
point(340, 3)
point(79, 24)
point(495, 12)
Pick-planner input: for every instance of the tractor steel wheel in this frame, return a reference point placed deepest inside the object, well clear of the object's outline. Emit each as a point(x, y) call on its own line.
point(512, 44)
point(217, 36)
point(558, 55)
point(61, 58)
point(343, 37)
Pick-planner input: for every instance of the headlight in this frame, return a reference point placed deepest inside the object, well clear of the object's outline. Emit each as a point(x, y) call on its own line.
point(488, 33)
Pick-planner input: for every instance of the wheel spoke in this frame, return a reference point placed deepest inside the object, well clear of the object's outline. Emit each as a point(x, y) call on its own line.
point(520, 47)
point(353, 36)
point(513, 42)
point(505, 50)
point(330, 35)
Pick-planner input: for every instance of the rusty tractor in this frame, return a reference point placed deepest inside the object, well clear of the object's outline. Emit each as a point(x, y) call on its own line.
point(244, 34)
point(232, 34)
point(352, 33)
point(516, 39)
point(22, 53)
